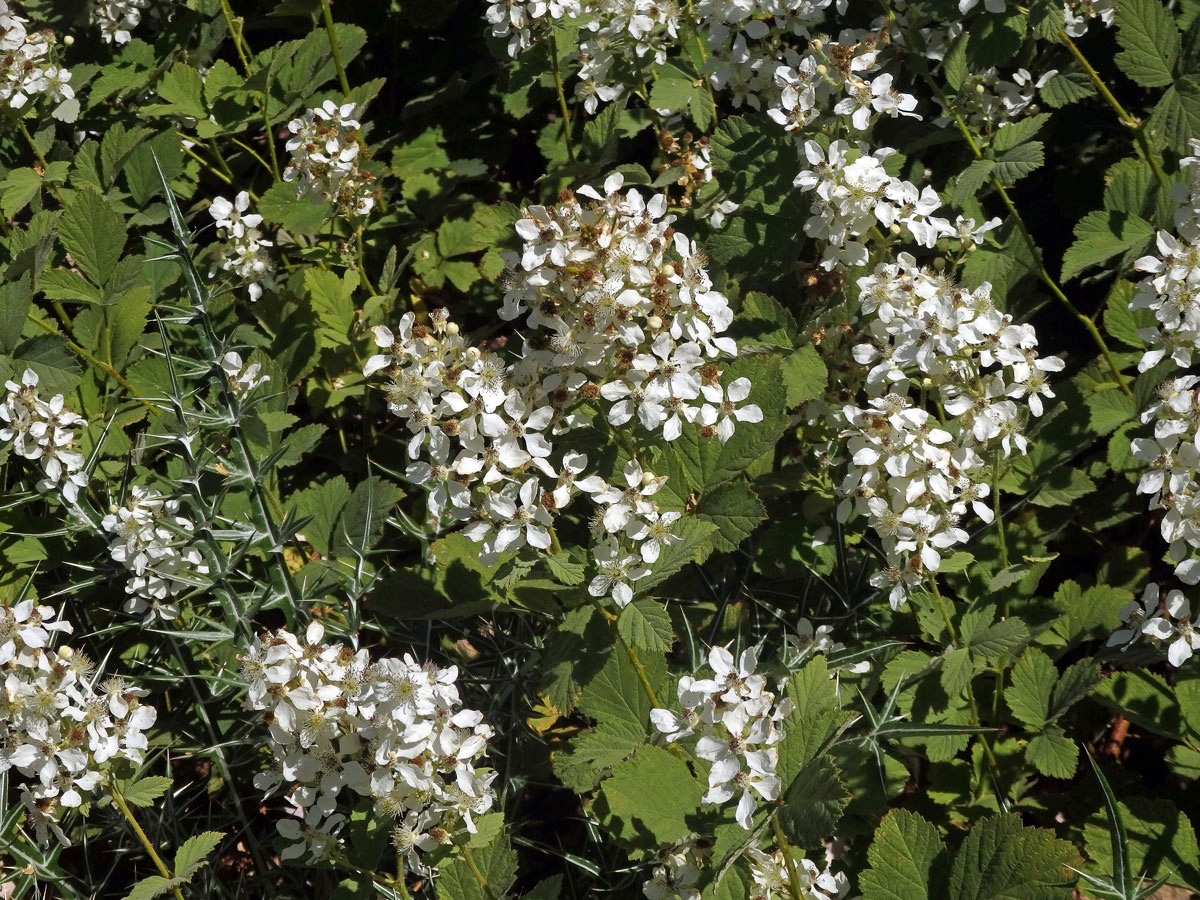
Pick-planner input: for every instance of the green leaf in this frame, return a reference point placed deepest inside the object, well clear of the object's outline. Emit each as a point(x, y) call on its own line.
point(954, 65)
point(1018, 132)
point(995, 38)
point(957, 669)
point(736, 511)
point(999, 638)
point(15, 298)
point(616, 693)
point(360, 525)
point(1015, 164)
point(676, 91)
point(1101, 235)
point(332, 301)
point(813, 804)
point(143, 793)
point(1028, 694)
point(1068, 86)
point(183, 89)
point(1003, 860)
point(64, 284)
point(645, 625)
point(281, 205)
point(647, 800)
point(323, 503)
point(194, 853)
point(93, 234)
point(1053, 754)
point(972, 178)
point(18, 188)
point(908, 860)
point(694, 545)
point(1122, 322)
point(804, 375)
point(1079, 680)
point(1064, 486)
point(1108, 410)
point(565, 569)
point(1176, 118)
point(1149, 40)
point(496, 865)
point(151, 887)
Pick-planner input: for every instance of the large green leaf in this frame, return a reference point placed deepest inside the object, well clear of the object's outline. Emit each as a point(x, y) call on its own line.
point(908, 860)
point(1149, 40)
point(648, 799)
point(94, 234)
point(1003, 860)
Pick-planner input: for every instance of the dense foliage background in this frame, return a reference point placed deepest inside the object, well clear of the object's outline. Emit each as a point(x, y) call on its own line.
point(979, 737)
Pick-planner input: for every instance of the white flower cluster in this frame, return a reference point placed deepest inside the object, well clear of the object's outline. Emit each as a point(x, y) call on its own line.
point(835, 85)
point(676, 874)
point(1172, 285)
point(243, 249)
point(988, 100)
point(392, 730)
point(44, 430)
point(1171, 624)
point(737, 719)
point(326, 150)
point(1078, 14)
point(26, 64)
point(58, 728)
point(152, 541)
point(912, 476)
point(612, 319)
point(772, 880)
point(853, 193)
point(117, 18)
point(616, 37)
point(1173, 474)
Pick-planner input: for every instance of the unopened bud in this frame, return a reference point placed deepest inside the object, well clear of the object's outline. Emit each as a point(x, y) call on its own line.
point(648, 479)
point(894, 228)
point(980, 89)
point(822, 70)
point(452, 328)
point(65, 652)
point(69, 39)
point(473, 354)
point(817, 45)
point(655, 323)
point(939, 262)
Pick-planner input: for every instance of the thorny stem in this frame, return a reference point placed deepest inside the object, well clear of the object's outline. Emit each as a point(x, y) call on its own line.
point(785, 849)
point(562, 98)
point(327, 15)
point(144, 838)
point(1131, 121)
point(1039, 263)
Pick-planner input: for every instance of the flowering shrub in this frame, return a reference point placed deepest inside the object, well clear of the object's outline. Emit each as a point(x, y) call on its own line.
point(682, 449)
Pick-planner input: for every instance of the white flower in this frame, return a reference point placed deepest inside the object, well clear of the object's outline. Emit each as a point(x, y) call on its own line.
point(44, 431)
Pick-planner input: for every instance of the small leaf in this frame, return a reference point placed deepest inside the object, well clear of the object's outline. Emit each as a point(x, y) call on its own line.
point(194, 852)
point(93, 234)
point(645, 625)
point(804, 375)
point(1101, 235)
point(908, 860)
point(143, 793)
point(1028, 694)
point(1053, 754)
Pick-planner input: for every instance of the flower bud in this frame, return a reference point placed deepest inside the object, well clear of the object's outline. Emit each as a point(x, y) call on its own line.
point(822, 70)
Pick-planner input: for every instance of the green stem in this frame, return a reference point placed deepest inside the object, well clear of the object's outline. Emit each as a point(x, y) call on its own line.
point(562, 98)
point(243, 51)
point(785, 849)
point(327, 15)
point(1126, 119)
point(469, 858)
point(119, 801)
